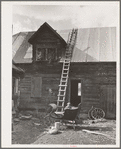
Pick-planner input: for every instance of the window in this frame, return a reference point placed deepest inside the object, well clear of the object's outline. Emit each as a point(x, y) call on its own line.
point(79, 89)
point(15, 86)
point(49, 54)
point(41, 53)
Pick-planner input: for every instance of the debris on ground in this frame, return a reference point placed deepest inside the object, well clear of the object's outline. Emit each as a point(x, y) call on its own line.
point(37, 129)
point(36, 124)
point(25, 117)
point(97, 133)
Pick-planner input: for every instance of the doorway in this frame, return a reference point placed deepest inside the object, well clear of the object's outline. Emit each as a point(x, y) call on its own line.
point(75, 92)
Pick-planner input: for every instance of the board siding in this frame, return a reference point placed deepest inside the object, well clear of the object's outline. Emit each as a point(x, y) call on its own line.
point(36, 86)
point(92, 85)
point(108, 98)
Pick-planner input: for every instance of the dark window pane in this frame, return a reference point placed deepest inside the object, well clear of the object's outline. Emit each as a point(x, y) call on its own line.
point(40, 54)
point(51, 54)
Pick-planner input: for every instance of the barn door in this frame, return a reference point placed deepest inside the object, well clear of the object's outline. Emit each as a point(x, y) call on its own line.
point(108, 100)
point(36, 86)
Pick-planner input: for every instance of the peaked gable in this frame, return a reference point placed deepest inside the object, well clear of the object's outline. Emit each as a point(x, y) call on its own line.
point(42, 31)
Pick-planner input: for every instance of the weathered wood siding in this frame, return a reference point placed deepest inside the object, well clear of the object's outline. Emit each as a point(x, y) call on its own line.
point(98, 85)
point(94, 76)
point(108, 100)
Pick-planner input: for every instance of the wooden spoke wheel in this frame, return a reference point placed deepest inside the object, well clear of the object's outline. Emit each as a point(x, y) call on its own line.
point(97, 113)
point(89, 113)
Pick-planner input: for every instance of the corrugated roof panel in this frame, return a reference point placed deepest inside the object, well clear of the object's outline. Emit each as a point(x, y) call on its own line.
point(18, 41)
point(93, 43)
point(105, 45)
point(21, 51)
point(99, 43)
point(80, 56)
point(113, 42)
point(28, 52)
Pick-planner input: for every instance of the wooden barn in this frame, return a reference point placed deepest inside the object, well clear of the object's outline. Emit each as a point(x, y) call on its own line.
point(92, 76)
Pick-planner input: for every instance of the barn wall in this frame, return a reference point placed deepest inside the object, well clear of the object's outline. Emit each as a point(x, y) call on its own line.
point(98, 86)
point(98, 83)
point(45, 89)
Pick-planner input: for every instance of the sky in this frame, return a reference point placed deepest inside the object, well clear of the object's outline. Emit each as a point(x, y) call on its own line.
point(29, 17)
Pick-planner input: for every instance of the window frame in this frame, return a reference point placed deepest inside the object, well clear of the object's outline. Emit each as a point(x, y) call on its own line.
point(46, 54)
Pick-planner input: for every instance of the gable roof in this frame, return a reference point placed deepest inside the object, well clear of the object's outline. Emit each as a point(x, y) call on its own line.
point(41, 28)
point(92, 45)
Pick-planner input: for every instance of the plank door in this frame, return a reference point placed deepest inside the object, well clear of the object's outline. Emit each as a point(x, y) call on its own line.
point(36, 87)
point(108, 100)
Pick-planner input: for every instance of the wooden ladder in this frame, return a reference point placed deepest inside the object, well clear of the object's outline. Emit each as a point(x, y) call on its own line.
point(65, 70)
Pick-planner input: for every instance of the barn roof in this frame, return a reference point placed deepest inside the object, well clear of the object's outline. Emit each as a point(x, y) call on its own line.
point(92, 45)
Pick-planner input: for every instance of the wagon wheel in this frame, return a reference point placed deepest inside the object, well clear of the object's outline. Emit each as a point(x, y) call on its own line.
point(97, 113)
point(89, 112)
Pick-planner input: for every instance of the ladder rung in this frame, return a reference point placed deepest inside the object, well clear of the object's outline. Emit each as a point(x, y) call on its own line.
point(66, 62)
point(60, 106)
point(62, 90)
point(60, 100)
point(63, 80)
point(60, 95)
point(65, 76)
point(65, 73)
point(63, 98)
point(62, 85)
point(66, 67)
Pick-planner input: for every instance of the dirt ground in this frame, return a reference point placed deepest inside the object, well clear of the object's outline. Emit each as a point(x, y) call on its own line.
point(35, 131)
point(26, 131)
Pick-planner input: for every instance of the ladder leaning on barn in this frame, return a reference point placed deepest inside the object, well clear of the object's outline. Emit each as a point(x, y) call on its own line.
point(65, 70)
